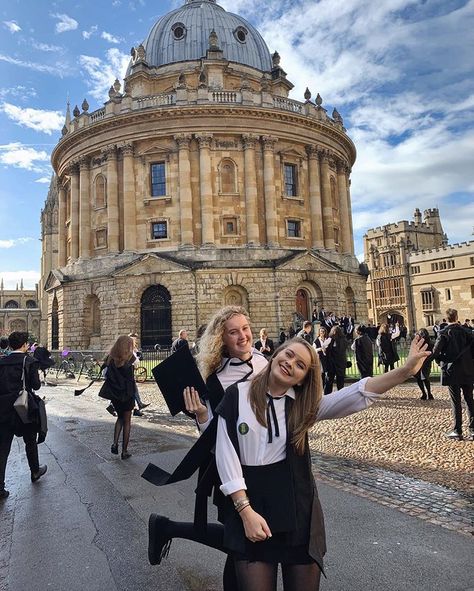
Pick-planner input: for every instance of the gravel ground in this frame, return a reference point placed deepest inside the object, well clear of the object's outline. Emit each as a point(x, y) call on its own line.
point(400, 433)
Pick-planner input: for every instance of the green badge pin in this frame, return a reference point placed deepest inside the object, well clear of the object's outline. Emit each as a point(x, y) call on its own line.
point(243, 428)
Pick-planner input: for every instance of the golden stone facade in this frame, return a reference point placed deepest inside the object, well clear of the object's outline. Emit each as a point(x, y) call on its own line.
point(414, 275)
point(200, 184)
point(19, 310)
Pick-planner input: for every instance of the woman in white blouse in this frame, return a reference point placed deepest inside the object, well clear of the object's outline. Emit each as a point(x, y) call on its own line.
point(263, 461)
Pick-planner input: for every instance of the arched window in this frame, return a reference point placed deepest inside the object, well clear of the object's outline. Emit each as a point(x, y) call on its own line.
point(12, 304)
point(55, 325)
point(350, 302)
point(227, 176)
point(236, 295)
point(100, 190)
point(31, 304)
point(156, 317)
point(91, 318)
point(18, 325)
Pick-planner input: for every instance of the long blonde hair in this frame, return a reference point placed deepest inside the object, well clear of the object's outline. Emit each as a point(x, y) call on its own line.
point(121, 351)
point(211, 345)
point(306, 404)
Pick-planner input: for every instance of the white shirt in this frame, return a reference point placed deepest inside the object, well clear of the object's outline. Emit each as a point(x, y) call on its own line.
point(233, 370)
point(324, 344)
point(253, 443)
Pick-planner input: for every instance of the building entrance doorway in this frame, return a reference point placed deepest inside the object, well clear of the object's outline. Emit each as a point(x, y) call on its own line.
point(156, 317)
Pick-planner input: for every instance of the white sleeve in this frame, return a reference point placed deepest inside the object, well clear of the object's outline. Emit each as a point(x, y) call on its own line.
point(346, 401)
point(227, 460)
point(353, 346)
point(396, 333)
point(203, 426)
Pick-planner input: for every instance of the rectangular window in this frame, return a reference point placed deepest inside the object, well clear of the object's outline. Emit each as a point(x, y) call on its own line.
point(290, 180)
point(159, 230)
point(429, 320)
point(101, 238)
point(472, 291)
point(229, 226)
point(158, 179)
point(294, 228)
point(336, 236)
point(472, 260)
point(415, 269)
point(448, 294)
point(434, 266)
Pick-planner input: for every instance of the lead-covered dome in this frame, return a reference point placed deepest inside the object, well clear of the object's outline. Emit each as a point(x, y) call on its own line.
point(183, 35)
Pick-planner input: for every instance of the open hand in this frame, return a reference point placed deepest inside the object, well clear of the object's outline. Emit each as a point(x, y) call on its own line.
point(194, 405)
point(417, 354)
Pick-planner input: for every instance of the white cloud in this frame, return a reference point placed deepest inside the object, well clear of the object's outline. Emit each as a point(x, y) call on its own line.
point(37, 119)
point(45, 46)
point(88, 34)
point(44, 180)
point(19, 91)
point(110, 38)
point(12, 278)
point(56, 70)
point(65, 23)
point(26, 157)
point(14, 242)
point(12, 26)
point(102, 74)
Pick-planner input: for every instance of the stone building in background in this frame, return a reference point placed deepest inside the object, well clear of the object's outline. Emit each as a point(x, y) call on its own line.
point(414, 275)
point(198, 184)
point(19, 310)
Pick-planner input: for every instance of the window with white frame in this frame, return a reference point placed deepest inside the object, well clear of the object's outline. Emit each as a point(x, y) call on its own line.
point(290, 173)
point(158, 179)
point(159, 230)
point(293, 228)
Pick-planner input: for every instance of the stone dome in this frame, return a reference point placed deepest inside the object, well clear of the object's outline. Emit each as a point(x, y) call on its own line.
point(183, 35)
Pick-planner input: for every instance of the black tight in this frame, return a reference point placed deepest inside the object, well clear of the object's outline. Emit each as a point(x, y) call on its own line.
point(425, 387)
point(262, 576)
point(124, 421)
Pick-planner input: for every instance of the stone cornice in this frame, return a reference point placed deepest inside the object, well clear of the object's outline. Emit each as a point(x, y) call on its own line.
point(222, 113)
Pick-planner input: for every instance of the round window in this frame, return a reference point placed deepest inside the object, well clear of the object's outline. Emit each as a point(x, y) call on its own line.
point(179, 31)
point(241, 34)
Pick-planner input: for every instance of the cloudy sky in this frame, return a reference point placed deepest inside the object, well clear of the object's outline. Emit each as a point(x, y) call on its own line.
point(399, 71)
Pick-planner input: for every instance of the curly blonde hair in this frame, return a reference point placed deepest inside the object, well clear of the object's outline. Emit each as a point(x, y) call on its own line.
point(211, 345)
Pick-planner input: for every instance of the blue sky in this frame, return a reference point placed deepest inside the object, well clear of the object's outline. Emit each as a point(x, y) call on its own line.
point(400, 72)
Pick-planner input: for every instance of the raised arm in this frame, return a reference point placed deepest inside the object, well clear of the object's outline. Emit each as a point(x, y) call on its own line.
point(417, 354)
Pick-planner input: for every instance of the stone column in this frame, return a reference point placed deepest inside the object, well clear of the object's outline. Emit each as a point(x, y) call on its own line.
point(129, 207)
point(205, 185)
point(84, 209)
point(62, 230)
point(316, 212)
point(113, 228)
point(269, 189)
point(343, 206)
point(251, 194)
point(185, 194)
point(328, 222)
point(74, 174)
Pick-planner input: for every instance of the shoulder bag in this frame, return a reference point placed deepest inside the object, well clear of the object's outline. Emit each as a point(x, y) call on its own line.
point(21, 403)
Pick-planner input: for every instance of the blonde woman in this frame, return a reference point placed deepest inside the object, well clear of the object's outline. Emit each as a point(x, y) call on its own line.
point(226, 356)
point(119, 387)
point(264, 464)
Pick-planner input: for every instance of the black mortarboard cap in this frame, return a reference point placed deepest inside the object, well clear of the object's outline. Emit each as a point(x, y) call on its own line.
point(175, 373)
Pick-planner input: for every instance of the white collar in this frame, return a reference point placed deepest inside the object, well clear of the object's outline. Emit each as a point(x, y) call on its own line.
point(290, 393)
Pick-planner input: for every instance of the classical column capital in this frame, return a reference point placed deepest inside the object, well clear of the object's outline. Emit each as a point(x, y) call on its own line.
point(313, 151)
point(183, 139)
point(110, 151)
point(269, 142)
point(84, 163)
point(250, 140)
point(72, 168)
point(204, 139)
point(127, 149)
point(342, 166)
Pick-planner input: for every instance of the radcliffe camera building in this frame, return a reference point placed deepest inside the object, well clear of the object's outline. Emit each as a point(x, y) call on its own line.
point(414, 275)
point(198, 184)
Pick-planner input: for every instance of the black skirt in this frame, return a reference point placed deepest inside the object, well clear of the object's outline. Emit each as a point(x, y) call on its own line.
point(122, 406)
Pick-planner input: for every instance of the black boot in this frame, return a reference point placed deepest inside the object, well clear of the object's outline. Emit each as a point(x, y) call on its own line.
point(158, 539)
point(37, 475)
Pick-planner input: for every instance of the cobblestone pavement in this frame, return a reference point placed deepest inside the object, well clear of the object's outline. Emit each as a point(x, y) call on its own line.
point(368, 455)
point(436, 504)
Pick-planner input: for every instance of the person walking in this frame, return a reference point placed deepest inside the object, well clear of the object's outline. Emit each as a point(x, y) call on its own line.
point(44, 358)
point(321, 343)
point(423, 375)
point(364, 352)
point(336, 359)
point(15, 369)
point(454, 351)
point(265, 344)
point(181, 341)
point(387, 349)
point(119, 387)
point(263, 459)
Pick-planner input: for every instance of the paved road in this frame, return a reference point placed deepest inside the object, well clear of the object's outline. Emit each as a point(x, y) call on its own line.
point(83, 526)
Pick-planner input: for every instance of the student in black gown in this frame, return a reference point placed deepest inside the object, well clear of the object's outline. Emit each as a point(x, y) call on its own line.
point(263, 459)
